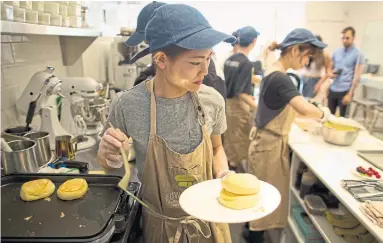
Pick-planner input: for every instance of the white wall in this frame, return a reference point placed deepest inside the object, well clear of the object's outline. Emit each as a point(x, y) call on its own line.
point(360, 13)
point(327, 19)
point(22, 56)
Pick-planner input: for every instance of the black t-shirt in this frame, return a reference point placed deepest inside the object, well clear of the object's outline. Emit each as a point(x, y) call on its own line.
point(145, 75)
point(238, 73)
point(215, 81)
point(277, 89)
point(280, 90)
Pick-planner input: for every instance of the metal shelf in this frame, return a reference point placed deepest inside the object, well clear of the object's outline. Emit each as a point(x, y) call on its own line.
point(320, 222)
point(9, 27)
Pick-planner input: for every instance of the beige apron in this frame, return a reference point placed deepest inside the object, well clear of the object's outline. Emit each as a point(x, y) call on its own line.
point(269, 161)
point(166, 175)
point(236, 138)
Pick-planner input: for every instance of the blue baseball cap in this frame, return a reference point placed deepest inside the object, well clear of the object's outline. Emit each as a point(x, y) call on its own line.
point(183, 26)
point(246, 35)
point(142, 21)
point(235, 34)
point(302, 36)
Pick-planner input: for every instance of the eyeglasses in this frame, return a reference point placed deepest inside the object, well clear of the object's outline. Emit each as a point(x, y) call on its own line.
point(345, 38)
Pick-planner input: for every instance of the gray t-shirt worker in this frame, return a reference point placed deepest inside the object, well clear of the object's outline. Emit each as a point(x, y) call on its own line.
point(176, 118)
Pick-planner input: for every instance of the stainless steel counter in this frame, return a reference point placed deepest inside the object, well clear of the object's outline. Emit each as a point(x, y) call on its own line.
point(90, 156)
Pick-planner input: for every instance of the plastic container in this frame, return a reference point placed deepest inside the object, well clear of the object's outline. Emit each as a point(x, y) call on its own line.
point(52, 8)
point(56, 20)
point(27, 5)
point(308, 181)
point(341, 218)
point(64, 10)
point(19, 14)
point(66, 21)
point(84, 16)
point(315, 204)
point(38, 6)
point(72, 3)
point(6, 12)
point(308, 229)
point(12, 3)
point(74, 10)
point(45, 18)
point(32, 17)
point(301, 169)
point(75, 22)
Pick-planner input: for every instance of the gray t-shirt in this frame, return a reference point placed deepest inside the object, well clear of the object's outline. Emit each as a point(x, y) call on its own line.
point(177, 120)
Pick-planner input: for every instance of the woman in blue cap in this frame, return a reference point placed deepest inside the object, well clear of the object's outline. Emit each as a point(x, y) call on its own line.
point(176, 123)
point(279, 102)
point(211, 79)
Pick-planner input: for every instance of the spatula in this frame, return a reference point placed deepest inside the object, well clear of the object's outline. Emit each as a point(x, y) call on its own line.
point(125, 180)
point(123, 184)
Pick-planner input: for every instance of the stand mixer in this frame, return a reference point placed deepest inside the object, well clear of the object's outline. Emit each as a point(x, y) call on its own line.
point(79, 93)
point(41, 89)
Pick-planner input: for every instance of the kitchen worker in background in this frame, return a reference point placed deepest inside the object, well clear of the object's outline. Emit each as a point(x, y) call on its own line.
point(316, 73)
point(240, 101)
point(139, 36)
point(223, 58)
point(347, 68)
point(279, 101)
point(176, 123)
point(212, 79)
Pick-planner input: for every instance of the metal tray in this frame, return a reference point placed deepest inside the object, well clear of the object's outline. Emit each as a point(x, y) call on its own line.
point(85, 219)
point(374, 157)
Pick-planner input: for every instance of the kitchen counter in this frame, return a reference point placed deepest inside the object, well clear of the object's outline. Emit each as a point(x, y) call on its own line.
point(331, 164)
point(90, 156)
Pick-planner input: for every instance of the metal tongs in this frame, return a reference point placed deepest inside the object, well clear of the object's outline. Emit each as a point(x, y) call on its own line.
point(353, 184)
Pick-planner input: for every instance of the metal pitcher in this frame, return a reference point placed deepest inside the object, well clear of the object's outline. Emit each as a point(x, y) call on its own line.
point(43, 149)
point(22, 159)
point(66, 147)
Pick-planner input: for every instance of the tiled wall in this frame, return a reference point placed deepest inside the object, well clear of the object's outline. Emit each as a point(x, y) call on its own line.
point(21, 57)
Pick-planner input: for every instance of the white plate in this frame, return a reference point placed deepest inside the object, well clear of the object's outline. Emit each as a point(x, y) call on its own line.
point(201, 201)
point(357, 174)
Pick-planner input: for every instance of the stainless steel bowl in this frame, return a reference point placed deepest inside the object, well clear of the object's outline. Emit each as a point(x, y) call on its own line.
point(22, 159)
point(43, 150)
point(339, 137)
point(18, 131)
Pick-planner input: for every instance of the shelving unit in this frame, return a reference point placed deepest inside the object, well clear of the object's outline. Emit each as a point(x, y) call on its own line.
point(9, 27)
point(73, 41)
point(320, 222)
point(295, 229)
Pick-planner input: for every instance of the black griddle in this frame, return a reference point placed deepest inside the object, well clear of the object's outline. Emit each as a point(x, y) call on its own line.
point(96, 217)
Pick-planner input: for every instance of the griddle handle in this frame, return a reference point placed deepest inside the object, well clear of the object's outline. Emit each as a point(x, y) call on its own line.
point(81, 166)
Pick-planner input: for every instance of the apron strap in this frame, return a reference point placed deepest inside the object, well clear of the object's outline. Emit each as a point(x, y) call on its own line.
point(194, 222)
point(199, 225)
point(153, 119)
point(153, 112)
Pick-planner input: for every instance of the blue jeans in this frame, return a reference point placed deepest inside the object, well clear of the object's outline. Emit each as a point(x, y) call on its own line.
point(308, 86)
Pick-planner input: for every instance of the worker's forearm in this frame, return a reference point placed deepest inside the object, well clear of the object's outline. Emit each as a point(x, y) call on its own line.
point(219, 160)
point(355, 81)
point(305, 108)
point(313, 112)
point(248, 99)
